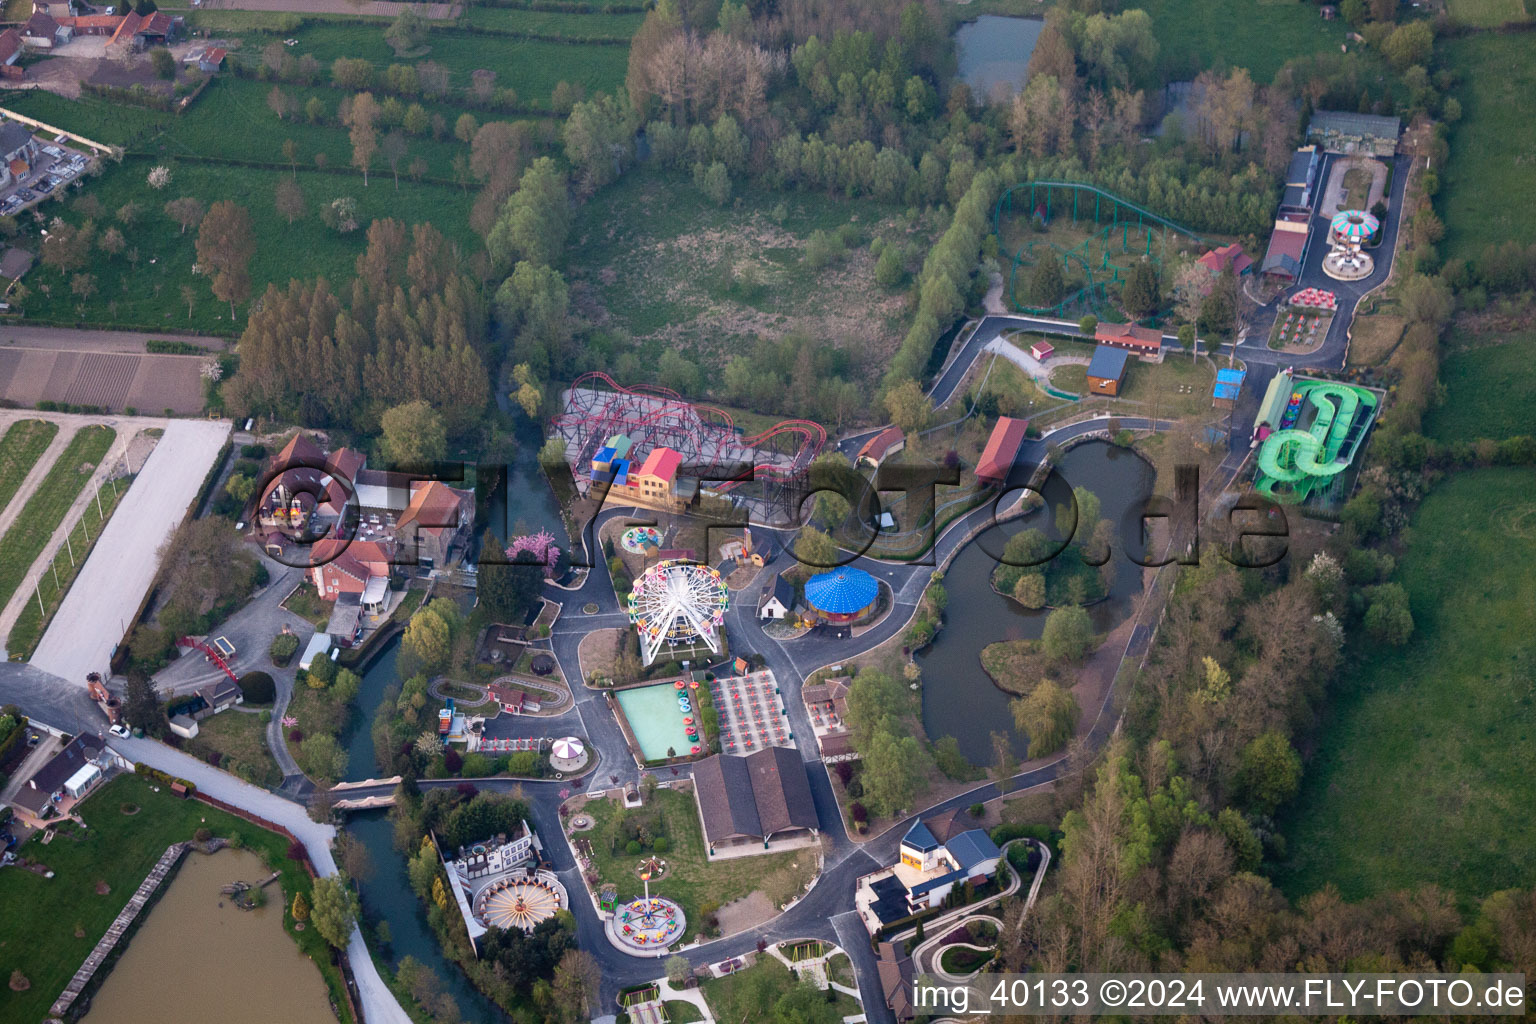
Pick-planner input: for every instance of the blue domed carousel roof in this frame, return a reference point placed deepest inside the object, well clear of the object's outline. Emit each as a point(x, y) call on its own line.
point(842, 591)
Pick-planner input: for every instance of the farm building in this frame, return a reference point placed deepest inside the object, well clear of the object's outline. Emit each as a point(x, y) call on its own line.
point(1343, 131)
point(42, 32)
point(1287, 247)
point(10, 51)
point(1144, 341)
point(1229, 384)
point(1002, 448)
point(1106, 371)
point(880, 447)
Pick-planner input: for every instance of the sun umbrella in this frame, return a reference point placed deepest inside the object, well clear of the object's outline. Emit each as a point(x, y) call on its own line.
point(568, 749)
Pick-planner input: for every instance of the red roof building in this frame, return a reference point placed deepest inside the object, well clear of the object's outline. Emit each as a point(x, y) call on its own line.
point(1232, 256)
point(346, 567)
point(884, 444)
point(10, 46)
point(1144, 341)
point(434, 520)
point(1002, 448)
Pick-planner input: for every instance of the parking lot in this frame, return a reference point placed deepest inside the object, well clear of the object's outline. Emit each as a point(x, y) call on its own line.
point(58, 166)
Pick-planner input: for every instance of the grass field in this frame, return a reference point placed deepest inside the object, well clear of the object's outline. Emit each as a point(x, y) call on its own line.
point(31, 623)
point(39, 916)
point(1248, 34)
point(1487, 192)
point(240, 738)
point(1488, 13)
point(1490, 388)
point(1437, 733)
point(660, 266)
point(721, 993)
point(1374, 337)
point(572, 25)
point(44, 511)
point(24, 442)
point(692, 880)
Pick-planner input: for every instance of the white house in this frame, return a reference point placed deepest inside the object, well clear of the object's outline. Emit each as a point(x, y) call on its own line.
point(777, 598)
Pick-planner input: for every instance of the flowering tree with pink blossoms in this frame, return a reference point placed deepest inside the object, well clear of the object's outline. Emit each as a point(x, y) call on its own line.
point(540, 545)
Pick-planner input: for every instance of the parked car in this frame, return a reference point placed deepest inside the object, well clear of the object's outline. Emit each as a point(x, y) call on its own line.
point(121, 731)
point(26, 195)
point(44, 187)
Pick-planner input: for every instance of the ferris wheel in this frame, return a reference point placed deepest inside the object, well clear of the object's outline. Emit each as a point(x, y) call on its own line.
point(676, 602)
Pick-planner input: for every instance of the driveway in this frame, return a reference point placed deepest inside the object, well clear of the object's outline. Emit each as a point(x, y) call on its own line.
point(112, 583)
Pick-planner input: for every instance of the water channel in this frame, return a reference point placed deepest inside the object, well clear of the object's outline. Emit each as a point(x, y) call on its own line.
point(994, 53)
point(959, 698)
point(196, 957)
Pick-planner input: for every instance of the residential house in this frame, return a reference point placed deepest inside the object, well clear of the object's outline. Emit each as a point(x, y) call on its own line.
point(880, 447)
point(68, 775)
point(1226, 257)
point(90, 24)
point(220, 694)
point(927, 870)
point(777, 598)
point(42, 32)
point(754, 800)
point(18, 151)
point(359, 567)
point(896, 977)
point(1144, 341)
point(140, 32)
point(10, 51)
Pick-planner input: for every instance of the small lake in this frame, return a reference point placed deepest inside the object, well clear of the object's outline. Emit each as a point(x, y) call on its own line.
point(959, 698)
point(193, 960)
point(994, 53)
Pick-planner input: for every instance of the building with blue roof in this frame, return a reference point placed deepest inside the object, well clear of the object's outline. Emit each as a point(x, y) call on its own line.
point(1106, 371)
point(1229, 384)
point(844, 594)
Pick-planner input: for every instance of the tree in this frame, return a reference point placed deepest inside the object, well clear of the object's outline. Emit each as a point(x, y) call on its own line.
point(1029, 590)
point(334, 909)
point(465, 127)
point(575, 986)
point(1142, 292)
point(163, 63)
point(322, 758)
point(1046, 285)
point(1218, 310)
point(1388, 619)
point(1048, 716)
point(83, 286)
point(507, 589)
point(1004, 763)
point(300, 908)
point(362, 122)
point(413, 434)
point(529, 394)
point(814, 550)
point(1269, 771)
point(394, 149)
point(226, 241)
point(280, 103)
point(291, 154)
point(1068, 634)
point(189, 296)
point(714, 181)
point(890, 268)
point(1088, 326)
point(407, 32)
point(1409, 44)
point(288, 198)
point(909, 408)
point(187, 211)
point(895, 768)
point(429, 639)
point(112, 242)
point(159, 177)
point(141, 708)
point(67, 247)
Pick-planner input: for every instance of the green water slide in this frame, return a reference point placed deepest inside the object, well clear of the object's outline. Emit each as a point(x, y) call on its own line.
point(1294, 456)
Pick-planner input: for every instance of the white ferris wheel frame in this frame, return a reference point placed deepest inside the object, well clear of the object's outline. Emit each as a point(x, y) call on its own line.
point(674, 601)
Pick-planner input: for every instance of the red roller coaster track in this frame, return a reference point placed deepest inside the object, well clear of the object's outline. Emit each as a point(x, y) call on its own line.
point(213, 655)
point(656, 416)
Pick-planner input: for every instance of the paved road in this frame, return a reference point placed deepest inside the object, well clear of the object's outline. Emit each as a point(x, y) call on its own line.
point(114, 580)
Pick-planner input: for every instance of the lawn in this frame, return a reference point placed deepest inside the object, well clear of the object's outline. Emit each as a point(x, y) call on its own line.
point(67, 563)
point(1487, 13)
point(39, 917)
point(24, 442)
point(1252, 34)
point(1372, 338)
point(660, 266)
point(24, 541)
point(567, 24)
point(1438, 732)
point(142, 287)
point(724, 994)
point(1490, 388)
point(964, 961)
point(1487, 193)
point(681, 1011)
point(691, 880)
point(239, 739)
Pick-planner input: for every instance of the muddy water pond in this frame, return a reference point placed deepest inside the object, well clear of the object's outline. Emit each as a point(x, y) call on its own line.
point(198, 958)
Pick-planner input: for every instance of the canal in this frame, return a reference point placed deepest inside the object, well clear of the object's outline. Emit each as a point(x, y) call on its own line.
point(959, 698)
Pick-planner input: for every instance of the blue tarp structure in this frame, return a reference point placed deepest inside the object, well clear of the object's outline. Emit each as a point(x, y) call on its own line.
point(1228, 384)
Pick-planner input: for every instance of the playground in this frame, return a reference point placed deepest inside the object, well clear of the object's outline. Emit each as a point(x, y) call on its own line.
point(1309, 432)
point(1096, 236)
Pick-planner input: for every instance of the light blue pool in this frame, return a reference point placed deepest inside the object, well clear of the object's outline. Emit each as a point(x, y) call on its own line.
point(656, 720)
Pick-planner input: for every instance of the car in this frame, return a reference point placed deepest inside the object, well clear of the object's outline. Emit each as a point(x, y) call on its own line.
point(121, 731)
point(26, 195)
point(44, 187)
point(34, 739)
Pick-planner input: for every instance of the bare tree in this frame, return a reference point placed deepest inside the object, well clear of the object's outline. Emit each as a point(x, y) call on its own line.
point(187, 211)
point(289, 200)
point(362, 118)
point(394, 147)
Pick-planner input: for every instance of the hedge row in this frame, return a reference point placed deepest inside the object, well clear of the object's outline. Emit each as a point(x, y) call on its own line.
point(164, 778)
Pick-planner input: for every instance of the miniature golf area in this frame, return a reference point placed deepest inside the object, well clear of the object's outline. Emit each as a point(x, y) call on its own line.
point(656, 716)
point(1318, 433)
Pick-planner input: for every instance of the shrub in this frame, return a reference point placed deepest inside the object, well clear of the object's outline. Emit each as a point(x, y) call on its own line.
point(633, 848)
point(284, 647)
point(259, 687)
point(661, 845)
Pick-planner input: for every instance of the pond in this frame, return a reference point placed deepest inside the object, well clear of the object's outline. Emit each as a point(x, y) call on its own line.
point(994, 54)
point(197, 958)
point(959, 698)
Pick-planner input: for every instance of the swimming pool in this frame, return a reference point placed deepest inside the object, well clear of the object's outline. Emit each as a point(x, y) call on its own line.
point(656, 720)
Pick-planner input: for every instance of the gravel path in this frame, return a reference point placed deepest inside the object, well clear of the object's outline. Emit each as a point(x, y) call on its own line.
point(114, 580)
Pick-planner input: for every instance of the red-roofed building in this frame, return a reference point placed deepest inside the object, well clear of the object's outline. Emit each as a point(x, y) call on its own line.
point(213, 60)
point(1002, 448)
point(142, 31)
point(880, 447)
point(655, 483)
point(1218, 260)
point(347, 567)
point(93, 24)
point(1144, 341)
point(437, 519)
point(42, 32)
point(10, 50)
